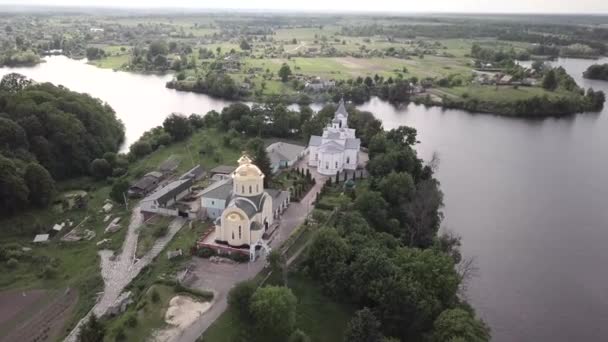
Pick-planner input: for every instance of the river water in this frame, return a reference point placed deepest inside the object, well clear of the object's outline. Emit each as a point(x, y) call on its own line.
point(527, 196)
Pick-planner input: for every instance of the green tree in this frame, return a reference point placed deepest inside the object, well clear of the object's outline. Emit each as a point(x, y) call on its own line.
point(274, 312)
point(14, 82)
point(550, 80)
point(239, 298)
point(140, 148)
point(298, 336)
point(40, 184)
point(119, 189)
point(277, 264)
point(456, 324)
point(245, 45)
point(12, 135)
point(260, 158)
point(284, 72)
point(363, 327)
point(100, 168)
point(178, 126)
point(373, 208)
point(397, 187)
point(328, 255)
point(13, 190)
point(92, 331)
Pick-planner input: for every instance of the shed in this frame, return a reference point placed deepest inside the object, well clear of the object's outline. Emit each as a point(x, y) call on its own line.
point(40, 238)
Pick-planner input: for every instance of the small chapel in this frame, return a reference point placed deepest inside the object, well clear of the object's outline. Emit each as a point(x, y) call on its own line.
point(249, 212)
point(337, 149)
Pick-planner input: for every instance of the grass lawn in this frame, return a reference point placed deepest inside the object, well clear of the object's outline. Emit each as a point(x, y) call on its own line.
point(111, 62)
point(148, 313)
point(319, 316)
point(501, 94)
point(148, 233)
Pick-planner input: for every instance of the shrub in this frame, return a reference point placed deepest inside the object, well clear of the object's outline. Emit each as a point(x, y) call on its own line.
point(155, 296)
point(12, 263)
point(160, 231)
point(132, 321)
point(239, 257)
point(205, 252)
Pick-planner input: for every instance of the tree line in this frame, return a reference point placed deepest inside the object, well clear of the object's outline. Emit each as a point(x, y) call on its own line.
point(597, 72)
point(48, 133)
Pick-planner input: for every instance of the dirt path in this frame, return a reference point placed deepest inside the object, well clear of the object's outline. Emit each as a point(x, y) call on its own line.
point(118, 273)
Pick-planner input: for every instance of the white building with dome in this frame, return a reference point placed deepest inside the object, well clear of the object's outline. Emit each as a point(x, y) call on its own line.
point(337, 149)
point(249, 212)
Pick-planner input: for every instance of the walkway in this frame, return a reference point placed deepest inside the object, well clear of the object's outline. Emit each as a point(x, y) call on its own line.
point(118, 273)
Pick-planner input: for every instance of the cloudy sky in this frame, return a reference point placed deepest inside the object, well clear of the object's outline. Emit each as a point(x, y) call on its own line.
point(508, 6)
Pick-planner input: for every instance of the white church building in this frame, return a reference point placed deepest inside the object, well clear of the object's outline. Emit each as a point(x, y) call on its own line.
point(249, 212)
point(337, 149)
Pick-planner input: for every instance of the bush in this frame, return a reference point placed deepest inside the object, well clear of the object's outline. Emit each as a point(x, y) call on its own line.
point(239, 257)
point(160, 231)
point(12, 263)
point(48, 272)
point(131, 321)
point(205, 252)
point(155, 296)
point(239, 297)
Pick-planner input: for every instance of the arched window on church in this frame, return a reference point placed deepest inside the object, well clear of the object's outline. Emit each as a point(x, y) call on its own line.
point(336, 165)
point(232, 235)
point(316, 156)
point(242, 189)
point(257, 188)
point(250, 189)
point(240, 230)
point(327, 165)
point(347, 160)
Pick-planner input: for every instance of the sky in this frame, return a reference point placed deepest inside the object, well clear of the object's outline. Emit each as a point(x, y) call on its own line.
point(397, 6)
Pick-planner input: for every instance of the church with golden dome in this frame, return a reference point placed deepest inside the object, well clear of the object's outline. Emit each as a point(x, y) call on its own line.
point(250, 211)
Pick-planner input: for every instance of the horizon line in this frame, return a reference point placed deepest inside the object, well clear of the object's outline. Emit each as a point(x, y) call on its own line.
point(16, 7)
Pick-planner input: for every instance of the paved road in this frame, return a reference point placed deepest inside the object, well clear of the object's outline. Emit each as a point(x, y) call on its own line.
point(220, 278)
point(118, 273)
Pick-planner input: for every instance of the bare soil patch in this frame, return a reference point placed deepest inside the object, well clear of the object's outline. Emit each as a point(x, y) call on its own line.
point(35, 315)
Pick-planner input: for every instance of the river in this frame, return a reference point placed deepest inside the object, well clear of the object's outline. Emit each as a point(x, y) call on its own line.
point(527, 196)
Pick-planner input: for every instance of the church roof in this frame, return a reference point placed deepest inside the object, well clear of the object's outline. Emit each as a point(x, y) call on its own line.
point(353, 143)
point(333, 135)
point(245, 206)
point(331, 147)
point(219, 190)
point(341, 109)
point(315, 140)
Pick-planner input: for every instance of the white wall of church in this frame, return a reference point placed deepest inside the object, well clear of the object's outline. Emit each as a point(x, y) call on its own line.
point(312, 156)
point(234, 227)
point(248, 187)
point(330, 163)
point(350, 159)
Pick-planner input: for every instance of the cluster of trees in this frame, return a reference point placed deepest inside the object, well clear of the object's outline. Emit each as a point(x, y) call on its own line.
point(359, 90)
point(93, 53)
point(498, 57)
point(382, 253)
point(268, 313)
point(214, 83)
point(597, 72)
point(48, 133)
point(14, 57)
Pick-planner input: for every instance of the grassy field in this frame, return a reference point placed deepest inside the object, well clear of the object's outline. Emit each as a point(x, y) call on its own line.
point(498, 94)
point(319, 316)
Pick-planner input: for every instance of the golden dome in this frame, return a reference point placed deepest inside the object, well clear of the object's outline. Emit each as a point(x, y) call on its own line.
point(246, 169)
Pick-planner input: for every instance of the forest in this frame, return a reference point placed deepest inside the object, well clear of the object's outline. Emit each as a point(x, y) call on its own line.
point(48, 133)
